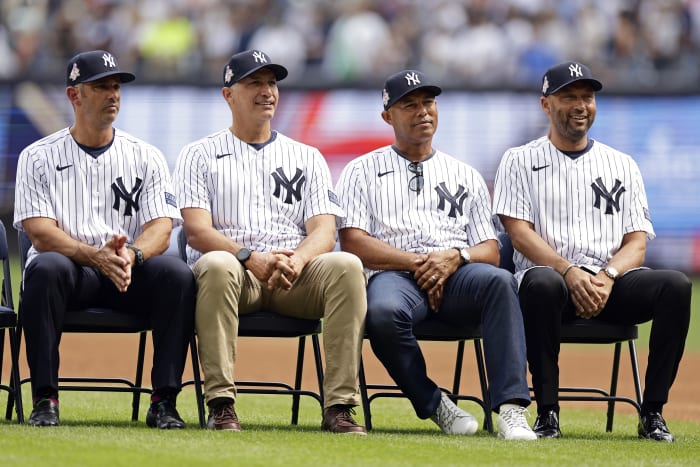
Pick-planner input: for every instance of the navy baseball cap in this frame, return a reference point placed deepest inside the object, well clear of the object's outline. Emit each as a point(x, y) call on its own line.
point(94, 65)
point(566, 73)
point(399, 84)
point(246, 63)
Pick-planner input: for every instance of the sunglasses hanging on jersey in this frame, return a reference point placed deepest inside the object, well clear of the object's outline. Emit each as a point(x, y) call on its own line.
point(416, 182)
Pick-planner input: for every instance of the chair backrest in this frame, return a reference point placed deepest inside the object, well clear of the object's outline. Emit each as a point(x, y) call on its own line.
point(6, 300)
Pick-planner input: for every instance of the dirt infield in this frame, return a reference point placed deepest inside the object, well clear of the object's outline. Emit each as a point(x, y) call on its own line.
point(274, 359)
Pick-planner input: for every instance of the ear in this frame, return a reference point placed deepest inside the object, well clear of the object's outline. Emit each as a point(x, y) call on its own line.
point(544, 103)
point(386, 116)
point(227, 93)
point(73, 94)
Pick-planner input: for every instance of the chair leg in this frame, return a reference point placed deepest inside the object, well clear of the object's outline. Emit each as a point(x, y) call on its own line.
point(319, 366)
point(613, 386)
point(458, 367)
point(488, 423)
point(15, 382)
point(365, 397)
point(139, 377)
point(635, 375)
point(197, 381)
point(297, 380)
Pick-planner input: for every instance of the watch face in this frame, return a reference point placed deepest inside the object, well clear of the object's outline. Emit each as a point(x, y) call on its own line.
point(465, 255)
point(243, 255)
point(611, 272)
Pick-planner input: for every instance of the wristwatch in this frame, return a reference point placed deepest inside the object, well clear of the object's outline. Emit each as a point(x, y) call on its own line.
point(138, 253)
point(243, 255)
point(464, 254)
point(611, 272)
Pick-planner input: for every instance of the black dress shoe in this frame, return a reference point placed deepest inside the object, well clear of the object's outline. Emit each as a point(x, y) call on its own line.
point(164, 415)
point(547, 425)
point(653, 426)
point(45, 413)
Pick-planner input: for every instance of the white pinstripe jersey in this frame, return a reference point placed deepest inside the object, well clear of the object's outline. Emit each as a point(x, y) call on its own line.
point(581, 207)
point(93, 198)
point(452, 210)
point(259, 198)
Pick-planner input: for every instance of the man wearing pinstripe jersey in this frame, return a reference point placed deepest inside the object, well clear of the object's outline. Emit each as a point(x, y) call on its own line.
point(259, 211)
point(420, 220)
point(98, 207)
point(578, 217)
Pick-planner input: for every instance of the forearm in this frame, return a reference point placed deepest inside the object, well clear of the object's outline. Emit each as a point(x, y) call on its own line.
point(376, 254)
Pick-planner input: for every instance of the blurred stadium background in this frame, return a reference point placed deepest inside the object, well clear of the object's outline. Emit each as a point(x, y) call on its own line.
point(488, 55)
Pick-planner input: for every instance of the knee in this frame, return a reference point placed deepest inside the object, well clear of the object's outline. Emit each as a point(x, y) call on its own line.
point(219, 269)
point(543, 281)
point(345, 266)
point(385, 317)
point(48, 268)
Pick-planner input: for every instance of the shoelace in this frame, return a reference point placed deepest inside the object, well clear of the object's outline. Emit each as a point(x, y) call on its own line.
point(227, 411)
point(656, 422)
point(446, 415)
point(515, 417)
point(345, 414)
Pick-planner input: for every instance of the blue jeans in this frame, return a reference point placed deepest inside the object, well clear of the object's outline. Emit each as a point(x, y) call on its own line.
point(474, 293)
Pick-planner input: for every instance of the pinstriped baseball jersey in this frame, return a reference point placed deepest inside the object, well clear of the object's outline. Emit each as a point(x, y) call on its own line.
point(93, 198)
point(581, 207)
point(453, 209)
point(260, 198)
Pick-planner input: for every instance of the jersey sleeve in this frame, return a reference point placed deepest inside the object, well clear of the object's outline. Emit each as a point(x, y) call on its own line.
point(480, 227)
point(352, 190)
point(638, 217)
point(510, 194)
point(31, 190)
point(322, 199)
point(158, 199)
point(190, 178)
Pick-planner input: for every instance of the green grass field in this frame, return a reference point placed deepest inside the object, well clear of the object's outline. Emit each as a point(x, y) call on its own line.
point(96, 431)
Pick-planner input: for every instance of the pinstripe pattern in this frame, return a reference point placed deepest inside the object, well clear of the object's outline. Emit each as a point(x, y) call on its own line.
point(560, 201)
point(241, 188)
point(387, 209)
point(80, 196)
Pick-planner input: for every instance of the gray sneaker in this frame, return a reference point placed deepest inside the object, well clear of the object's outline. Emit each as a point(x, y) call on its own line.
point(453, 420)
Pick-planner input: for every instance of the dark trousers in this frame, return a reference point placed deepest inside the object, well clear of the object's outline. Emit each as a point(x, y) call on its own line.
point(475, 293)
point(662, 296)
point(163, 287)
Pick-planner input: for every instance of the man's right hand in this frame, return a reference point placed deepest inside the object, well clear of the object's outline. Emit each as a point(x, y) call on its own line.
point(113, 261)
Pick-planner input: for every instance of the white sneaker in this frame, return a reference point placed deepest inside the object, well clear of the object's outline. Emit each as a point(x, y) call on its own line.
point(512, 424)
point(453, 420)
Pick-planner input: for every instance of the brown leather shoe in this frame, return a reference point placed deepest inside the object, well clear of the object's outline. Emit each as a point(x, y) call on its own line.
point(223, 417)
point(338, 419)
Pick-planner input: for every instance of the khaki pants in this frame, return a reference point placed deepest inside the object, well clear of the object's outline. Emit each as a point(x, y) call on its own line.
point(332, 286)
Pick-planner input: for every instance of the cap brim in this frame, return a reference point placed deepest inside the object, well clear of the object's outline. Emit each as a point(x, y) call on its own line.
point(279, 71)
point(435, 90)
point(124, 76)
point(597, 85)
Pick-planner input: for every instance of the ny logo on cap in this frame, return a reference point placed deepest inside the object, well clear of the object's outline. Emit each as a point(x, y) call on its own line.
point(575, 70)
point(109, 60)
point(412, 79)
point(259, 57)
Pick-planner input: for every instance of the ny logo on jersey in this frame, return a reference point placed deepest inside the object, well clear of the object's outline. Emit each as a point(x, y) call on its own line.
point(131, 198)
point(292, 186)
point(612, 197)
point(456, 201)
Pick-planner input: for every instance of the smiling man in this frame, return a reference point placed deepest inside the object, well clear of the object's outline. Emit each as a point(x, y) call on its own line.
point(578, 217)
point(259, 211)
point(420, 220)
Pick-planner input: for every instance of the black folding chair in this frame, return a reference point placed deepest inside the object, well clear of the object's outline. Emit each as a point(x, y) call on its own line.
point(8, 323)
point(584, 331)
point(434, 330)
point(108, 320)
point(266, 323)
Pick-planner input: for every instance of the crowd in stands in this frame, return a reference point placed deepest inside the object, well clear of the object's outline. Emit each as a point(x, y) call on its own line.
point(638, 45)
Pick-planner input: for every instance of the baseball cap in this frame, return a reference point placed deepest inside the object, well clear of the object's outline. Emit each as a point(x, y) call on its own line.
point(94, 65)
point(399, 84)
point(246, 63)
point(566, 73)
